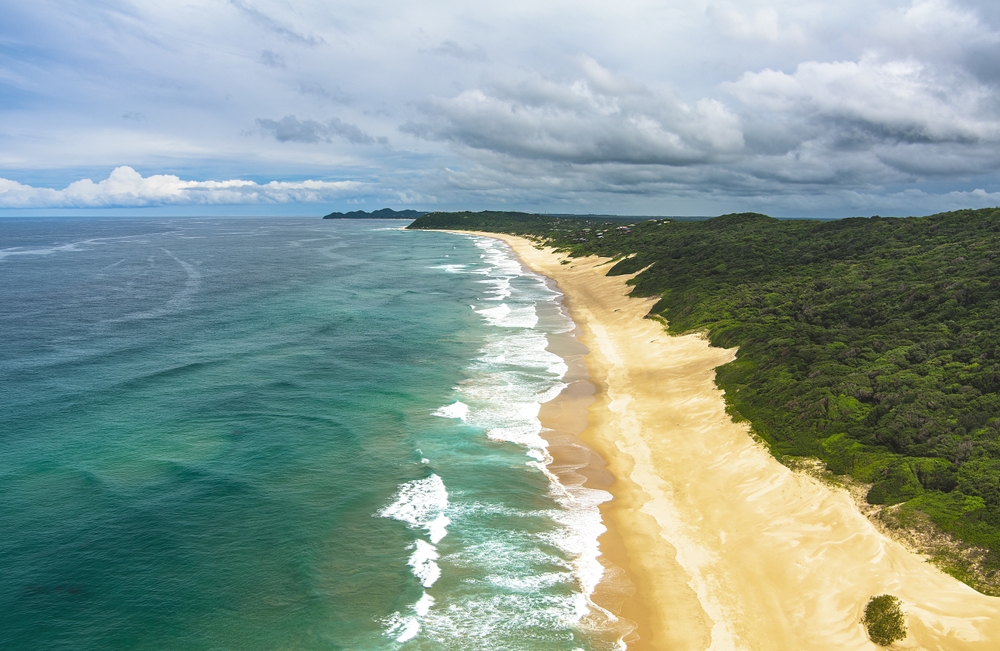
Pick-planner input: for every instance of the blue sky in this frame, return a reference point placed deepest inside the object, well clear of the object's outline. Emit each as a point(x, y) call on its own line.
point(793, 108)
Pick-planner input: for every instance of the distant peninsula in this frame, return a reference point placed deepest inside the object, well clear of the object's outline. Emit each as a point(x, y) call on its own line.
point(384, 213)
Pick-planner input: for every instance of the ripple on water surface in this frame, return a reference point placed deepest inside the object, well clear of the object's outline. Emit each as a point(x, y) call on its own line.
point(267, 434)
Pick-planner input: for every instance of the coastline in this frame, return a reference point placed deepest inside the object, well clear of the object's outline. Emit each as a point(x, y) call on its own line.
point(725, 547)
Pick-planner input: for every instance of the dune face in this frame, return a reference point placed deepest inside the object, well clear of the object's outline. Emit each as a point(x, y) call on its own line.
point(727, 548)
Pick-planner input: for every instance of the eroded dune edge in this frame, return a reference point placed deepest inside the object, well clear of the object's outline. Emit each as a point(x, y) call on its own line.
point(727, 548)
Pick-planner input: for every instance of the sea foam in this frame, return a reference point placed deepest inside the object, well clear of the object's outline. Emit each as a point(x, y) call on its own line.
point(525, 569)
point(457, 409)
point(421, 504)
point(511, 377)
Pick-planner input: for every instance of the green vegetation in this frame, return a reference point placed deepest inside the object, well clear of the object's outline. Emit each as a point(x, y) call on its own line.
point(871, 344)
point(884, 620)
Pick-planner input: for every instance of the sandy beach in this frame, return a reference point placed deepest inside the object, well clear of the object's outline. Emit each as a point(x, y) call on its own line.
point(727, 548)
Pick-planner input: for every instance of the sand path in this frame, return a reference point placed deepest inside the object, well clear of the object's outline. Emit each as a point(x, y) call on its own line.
point(729, 549)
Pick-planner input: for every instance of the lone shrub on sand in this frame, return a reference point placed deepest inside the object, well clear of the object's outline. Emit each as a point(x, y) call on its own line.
point(884, 620)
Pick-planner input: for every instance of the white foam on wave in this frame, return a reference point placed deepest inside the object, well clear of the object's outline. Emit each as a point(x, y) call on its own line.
point(519, 568)
point(421, 504)
point(423, 605)
point(406, 627)
point(498, 256)
point(504, 316)
point(583, 525)
point(527, 350)
point(457, 409)
point(401, 627)
point(451, 268)
point(500, 288)
point(513, 376)
point(423, 563)
point(438, 528)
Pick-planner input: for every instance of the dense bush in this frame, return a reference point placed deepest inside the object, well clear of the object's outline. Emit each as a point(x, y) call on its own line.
point(884, 620)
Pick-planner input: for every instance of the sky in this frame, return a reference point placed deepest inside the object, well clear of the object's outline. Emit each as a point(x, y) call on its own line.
point(797, 108)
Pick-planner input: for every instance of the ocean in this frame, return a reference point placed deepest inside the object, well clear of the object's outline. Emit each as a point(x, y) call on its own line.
point(266, 433)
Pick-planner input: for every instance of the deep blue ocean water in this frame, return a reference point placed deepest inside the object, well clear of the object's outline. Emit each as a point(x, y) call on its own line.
point(281, 434)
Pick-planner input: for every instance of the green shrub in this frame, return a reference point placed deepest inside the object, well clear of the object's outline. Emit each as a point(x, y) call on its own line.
point(896, 484)
point(884, 620)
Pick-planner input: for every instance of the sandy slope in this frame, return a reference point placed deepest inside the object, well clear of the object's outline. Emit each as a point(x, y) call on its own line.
point(728, 548)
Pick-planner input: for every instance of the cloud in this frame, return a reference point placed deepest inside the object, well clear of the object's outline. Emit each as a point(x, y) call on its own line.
point(597, 119)
point(126, 187)
point(763, 25)
point(453, 49)
point(317, 90)
point(896, 100)
point(272, 59)
point(291, 129)
point(274, 25)
point(834, 129)
point(800, 103)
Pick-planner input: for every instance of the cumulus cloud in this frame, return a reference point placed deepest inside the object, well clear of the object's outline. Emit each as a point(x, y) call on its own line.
point(840, 129)
point(898, 100)
point(291, 129)
point(126, 187)
point(817, 104)
point(596, 119)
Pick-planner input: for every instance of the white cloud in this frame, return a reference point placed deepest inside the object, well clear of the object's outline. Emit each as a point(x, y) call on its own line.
point(533, 102)
point(599, 118)
point(126, 187)
point(763, 25)
point(452, 49)
point(903, 100)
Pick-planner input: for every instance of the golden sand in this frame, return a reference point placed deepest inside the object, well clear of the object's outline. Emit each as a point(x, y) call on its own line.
point(726, 547)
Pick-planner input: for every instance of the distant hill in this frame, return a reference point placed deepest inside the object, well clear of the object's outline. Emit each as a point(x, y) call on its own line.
point(384, 213)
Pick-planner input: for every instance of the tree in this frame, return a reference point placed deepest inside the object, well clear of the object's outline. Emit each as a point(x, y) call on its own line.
point(884, 620)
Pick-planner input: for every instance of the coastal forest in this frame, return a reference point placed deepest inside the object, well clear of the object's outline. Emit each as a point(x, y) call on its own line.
point(871, 344)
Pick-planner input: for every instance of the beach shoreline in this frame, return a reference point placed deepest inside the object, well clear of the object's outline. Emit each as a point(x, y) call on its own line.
point(725, 547)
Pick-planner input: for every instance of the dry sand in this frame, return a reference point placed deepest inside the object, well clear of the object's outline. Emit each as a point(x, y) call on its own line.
point(727, 548)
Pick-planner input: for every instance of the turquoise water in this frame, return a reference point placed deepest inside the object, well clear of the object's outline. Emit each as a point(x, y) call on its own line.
point(281, 434)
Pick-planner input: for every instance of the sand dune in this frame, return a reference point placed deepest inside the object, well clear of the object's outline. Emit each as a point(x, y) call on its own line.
point(727, 548)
